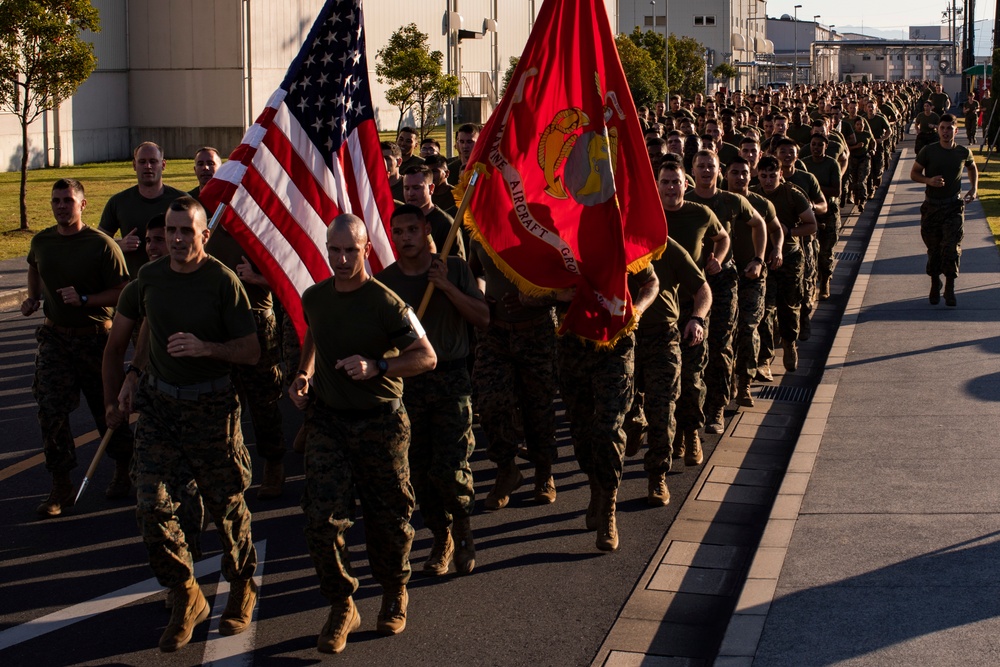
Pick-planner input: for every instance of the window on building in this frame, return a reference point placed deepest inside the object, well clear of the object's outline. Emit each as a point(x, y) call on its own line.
point(866, 57)
point(879, 57)
point(660, 21)
point(704, 20)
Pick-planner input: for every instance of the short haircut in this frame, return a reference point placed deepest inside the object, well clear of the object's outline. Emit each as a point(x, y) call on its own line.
point(208, 149)
point(408, 209)
point(947, 118)
point(69, 184)
point(432, 161)
point(144, 144)
point(671, 162)
point(768, 163)
point(392, 147)
point(158, 221)
point(432, 141)
point(349, 222)
point(785, 141)
point(821, 137)
point(707, 153)
point(469, 128)
point(656, 141)
point(737, 159)
point(421, 169)
point(191, 206)
point(748, 140)
point(407, 129)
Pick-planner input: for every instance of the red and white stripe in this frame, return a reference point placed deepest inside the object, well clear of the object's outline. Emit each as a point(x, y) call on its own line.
point(280, 197)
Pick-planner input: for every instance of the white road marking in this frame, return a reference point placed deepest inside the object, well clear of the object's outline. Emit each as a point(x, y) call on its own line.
point(125, 596)
point(235, 651)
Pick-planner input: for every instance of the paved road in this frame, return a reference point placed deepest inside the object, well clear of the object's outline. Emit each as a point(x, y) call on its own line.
point(541, 593)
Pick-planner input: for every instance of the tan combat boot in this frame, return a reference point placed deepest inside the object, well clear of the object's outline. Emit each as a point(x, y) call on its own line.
point(545, 485)
point(590, 519)
point(121, 483)
point(441, 554)
point(824, 288)
point(677, 449)
point(659, 494)
point(274, 480)
point(717, 422)
point(465, 548)
point(692, 448)
point(607, 528)
point(509, 478)
point(342, 621)
point(392, 616)
point(791, 357)
point(743, 395)
point(190, 609)
point(61, 497)
point(239, 608)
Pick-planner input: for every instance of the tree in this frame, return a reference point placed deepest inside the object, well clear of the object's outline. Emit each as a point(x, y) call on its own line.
point(414, 74)
point(725, 71)
point(687, 61)
point(644, 80)
point(42, 61)
point(508, 73)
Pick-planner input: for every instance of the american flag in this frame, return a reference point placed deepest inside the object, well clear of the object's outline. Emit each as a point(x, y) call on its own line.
point(312, 154)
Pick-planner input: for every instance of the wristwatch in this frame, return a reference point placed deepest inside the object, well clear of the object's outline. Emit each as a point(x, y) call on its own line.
point(383, 367)
point(84, 299)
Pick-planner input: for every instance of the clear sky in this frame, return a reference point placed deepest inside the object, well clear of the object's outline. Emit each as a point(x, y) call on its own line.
point(882, 14)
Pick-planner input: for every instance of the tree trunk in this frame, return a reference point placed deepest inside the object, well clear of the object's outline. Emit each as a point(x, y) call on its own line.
point(24, 175)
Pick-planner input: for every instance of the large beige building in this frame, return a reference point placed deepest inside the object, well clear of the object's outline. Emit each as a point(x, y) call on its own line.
point(186, 73)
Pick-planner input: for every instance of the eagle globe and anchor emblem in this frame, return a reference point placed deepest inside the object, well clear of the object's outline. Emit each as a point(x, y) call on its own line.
point(578, 164)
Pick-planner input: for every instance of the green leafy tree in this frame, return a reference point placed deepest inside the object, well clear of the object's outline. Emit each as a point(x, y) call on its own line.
point(511, 66)
point(687, 61)
point(725, 71)
point(42, 61)
point(413, 71)
point(644, 79)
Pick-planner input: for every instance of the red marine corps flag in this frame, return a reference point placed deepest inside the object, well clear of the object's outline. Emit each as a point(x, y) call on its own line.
point(312, 154)
point(566, 196)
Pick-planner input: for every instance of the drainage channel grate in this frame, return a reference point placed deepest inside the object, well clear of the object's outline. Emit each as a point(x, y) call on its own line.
point(786, 394)
point(848, 256)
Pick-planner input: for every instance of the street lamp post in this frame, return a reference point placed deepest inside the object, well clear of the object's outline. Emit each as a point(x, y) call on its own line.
point(813, 67)
point(795, 47)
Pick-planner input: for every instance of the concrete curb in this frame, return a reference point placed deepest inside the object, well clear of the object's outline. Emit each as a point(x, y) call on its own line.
point(739, 644)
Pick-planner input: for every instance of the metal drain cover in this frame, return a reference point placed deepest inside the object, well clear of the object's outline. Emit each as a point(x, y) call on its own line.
point(848, 256)
point(786, 394)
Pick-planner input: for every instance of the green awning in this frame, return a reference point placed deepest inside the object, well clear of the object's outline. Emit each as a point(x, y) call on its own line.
point(980, 70)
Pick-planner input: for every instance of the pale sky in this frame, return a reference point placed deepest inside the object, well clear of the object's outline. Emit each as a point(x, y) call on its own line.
point(891, 15)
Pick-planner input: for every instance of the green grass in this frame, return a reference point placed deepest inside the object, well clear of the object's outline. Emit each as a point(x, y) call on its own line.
point(100, 179)
point(989, 190)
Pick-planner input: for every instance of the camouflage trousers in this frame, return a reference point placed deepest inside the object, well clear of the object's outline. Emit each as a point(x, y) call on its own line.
point(878, 163)
point(657, 386)
point(176, 439)
point(783, 303)
point(690, 410)
point(719, 367)
point(596, 386)
point(260, 385)
point(439, 405)
point(291, 349)
point(858, 168)
point(810, 273)
point(748, 318)
point(515, 374)
point(827, 233)
point(941, 228)
point(65, 366)
point(348, 452)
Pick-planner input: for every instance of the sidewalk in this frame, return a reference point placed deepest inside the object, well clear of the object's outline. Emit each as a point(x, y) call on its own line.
point(883, 545)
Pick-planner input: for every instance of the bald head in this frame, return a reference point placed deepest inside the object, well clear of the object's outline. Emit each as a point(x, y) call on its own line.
point(348, 222)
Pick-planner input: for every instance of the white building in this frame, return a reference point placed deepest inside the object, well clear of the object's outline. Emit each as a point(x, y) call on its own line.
point(186, 73)
point(735, 30)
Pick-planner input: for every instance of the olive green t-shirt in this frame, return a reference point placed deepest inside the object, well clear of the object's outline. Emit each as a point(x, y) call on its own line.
point(947, 162)
point(676, 270)
point(735, 214)
point(371, 321)
point(441, 223)
point(690, 224)
point(129, 210)
point(88, 260)
point(926, 123)
point(864, 142)
point(445, 326)
point(209, 303)
point(803, 180)
point(826, 171)
point(789, 203)
point(879, 125)
point(222, 246)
